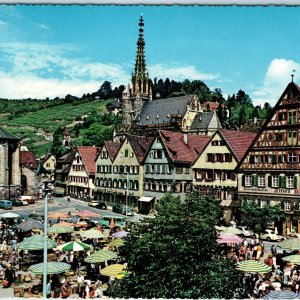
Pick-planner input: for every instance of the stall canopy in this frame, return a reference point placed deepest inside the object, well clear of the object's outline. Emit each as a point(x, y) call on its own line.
point(145, 199)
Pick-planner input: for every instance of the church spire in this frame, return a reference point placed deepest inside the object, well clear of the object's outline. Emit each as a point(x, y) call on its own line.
point(140, 71)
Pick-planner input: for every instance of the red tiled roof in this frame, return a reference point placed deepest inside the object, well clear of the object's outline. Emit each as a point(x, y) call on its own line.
point(88, 155)
point(238, 141)
point(112, 148)
point(140, 145)
point(179, 150)
point(27, 158)
point(211, 105)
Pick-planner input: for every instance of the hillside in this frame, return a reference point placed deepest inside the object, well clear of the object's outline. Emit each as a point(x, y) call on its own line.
point(36, 128)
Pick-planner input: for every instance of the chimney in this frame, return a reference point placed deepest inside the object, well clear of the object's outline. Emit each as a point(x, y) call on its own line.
point(185, 138)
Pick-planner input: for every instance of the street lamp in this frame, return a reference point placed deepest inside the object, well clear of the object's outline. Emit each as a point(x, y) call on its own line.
point(46, 190)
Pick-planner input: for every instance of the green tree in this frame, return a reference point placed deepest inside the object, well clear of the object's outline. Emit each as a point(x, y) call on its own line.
point(260, 218)
point(57, 148)
point(175, 255)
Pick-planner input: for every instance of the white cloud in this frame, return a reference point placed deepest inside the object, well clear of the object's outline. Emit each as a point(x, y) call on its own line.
point(42, 26)
point(40, 71)
point(180, 73)
point(275, 81)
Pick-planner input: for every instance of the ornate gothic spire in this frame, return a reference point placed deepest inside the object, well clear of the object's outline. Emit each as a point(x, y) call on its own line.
point(140, 71)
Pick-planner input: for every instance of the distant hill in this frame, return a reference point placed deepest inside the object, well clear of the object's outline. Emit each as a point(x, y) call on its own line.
point(38, 121)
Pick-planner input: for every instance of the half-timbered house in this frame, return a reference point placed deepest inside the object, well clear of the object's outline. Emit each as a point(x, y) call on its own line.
point(269, 171)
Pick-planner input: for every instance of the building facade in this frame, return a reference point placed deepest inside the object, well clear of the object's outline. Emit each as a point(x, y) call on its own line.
point(269, 172)
point(214, 169)
point(81, 178)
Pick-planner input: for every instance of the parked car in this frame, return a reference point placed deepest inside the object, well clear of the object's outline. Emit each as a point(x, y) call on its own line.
point(93, 203)
point(29, 199)
point(5, 204)
point(17, 202)
point(294, 235)
point(98, 204)
point(270, 235)
point(246, 232)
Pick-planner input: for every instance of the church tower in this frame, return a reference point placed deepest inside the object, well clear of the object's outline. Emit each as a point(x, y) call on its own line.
point(140, 90)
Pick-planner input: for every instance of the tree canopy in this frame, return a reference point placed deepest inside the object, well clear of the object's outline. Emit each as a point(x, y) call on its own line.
point(175, 255)
point(260, 218)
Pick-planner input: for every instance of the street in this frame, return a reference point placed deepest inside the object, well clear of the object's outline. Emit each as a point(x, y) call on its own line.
point(56, 203)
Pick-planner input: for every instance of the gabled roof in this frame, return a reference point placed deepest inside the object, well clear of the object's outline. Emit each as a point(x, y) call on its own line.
point(140, 145)
point(88, 155)
point(238, 141)
point(5, 135)
point(27, 159)
point(160, 111)
point(68, 157)
point(112, 148)
point(292, 86)
point(180, 151)
point(203, 120)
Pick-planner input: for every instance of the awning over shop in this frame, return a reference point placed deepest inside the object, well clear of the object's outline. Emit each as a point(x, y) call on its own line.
point(145, 199)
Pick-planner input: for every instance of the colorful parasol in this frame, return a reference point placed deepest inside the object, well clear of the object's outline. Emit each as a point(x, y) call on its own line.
point(36, 242)
point(88, 214)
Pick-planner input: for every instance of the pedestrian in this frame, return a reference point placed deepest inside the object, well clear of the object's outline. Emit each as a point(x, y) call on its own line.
point(273, 250)
point(69, 198)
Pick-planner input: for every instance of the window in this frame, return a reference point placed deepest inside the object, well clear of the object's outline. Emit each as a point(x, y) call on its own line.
point(292, 157)
point(158, 154)
point(219, 157)
point(281, 116)
point(178, 170)
point(292, 117)
point(126, 152)
point(292, 137)
point(275, 181)
point(228, 157)
point(251, 159)
point(214, 143)
point(47, 165)
point(163, 169)
point(187, 170)
point(147, 169)
point(278, 136)
point(290, 182)
point(210, 157)
point(263, 203)
point(158, 169)
point(248, 180)
point(287, 205)
point(261, 180)
point(115, 169)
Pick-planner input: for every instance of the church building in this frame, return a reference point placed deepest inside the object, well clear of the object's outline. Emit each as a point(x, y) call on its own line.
point(144, 116)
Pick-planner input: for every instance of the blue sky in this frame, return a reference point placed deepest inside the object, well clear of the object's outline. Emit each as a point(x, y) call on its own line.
point(49, 51)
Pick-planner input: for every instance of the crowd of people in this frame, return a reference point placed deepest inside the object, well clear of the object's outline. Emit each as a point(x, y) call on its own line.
point(83, 279)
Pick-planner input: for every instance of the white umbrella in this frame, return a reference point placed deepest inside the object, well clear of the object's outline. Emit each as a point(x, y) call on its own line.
point(9, 215)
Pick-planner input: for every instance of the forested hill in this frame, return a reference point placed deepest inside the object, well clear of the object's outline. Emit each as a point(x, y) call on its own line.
point(37, 121)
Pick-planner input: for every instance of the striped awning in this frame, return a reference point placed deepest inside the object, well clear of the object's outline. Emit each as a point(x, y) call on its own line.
point(294, 259)
point(145, 199)
point(30, 224)
point(253, 266)
point(58, 228)
point(52, 268)
point(281, 295)
point(36, 242)
point(74, 246)
point(113, 270)
point(116, 243)
point(101, 256)
point(290, 244)
point(92, 234)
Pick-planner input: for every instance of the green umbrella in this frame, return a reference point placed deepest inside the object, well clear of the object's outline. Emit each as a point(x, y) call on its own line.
point(52, 268)
point(92, 234)
point(36, 242)
point(60, 229)
point(294, 259)
point(253, 266)
point(101, 256)
point(290, 244)
point(74, 246)
point(231, 229)
point(116, 243)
